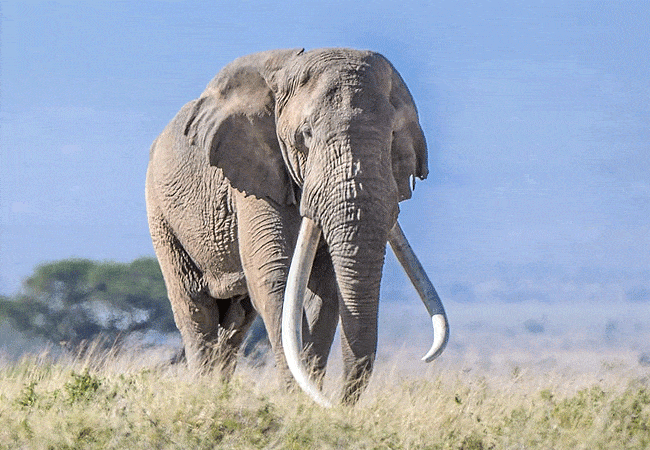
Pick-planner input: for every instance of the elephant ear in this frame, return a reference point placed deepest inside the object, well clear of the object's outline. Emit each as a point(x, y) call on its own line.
point(409, 147)
point(234, 121)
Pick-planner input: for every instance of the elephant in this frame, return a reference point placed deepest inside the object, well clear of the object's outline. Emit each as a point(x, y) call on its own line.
point(275, 193)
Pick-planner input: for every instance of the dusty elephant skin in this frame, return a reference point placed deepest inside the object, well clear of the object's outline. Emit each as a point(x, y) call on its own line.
point(330, 136)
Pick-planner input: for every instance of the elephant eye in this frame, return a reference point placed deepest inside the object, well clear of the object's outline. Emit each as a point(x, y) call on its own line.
point(304, 137)
point(306, 134)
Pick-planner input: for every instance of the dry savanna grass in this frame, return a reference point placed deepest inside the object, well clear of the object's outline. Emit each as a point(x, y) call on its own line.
point(132, 400)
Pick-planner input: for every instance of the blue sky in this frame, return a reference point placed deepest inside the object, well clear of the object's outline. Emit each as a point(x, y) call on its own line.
point(537, 117)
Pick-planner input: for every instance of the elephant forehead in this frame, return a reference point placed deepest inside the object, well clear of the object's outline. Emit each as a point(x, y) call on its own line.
point(335, 56)
point(335, 66)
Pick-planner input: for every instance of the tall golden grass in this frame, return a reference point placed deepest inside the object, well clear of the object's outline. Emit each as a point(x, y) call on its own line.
point(468, 400)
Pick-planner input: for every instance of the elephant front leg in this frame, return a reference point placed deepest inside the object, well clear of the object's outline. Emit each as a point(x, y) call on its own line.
point(321, 312)
point(267, 232)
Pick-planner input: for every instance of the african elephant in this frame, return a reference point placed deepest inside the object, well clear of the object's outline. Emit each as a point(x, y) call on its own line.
point(321, 144)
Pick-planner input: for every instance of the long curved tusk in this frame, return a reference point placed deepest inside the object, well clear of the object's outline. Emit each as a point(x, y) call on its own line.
point(425, 289)
point(294, 296)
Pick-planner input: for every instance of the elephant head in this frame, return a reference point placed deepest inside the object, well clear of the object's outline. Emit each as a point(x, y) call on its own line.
point(334, 132)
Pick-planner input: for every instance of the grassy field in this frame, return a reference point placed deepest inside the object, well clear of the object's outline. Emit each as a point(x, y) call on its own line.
point(522, 388)
point(121, 402)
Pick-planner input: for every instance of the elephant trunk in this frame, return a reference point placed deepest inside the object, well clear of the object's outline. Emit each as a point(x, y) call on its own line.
point(354, 201)
point(357, 247)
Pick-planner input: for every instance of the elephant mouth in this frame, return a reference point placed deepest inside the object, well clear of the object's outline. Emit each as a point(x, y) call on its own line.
point(296, 287)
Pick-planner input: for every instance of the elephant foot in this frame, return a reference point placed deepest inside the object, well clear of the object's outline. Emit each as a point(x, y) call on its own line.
point(357, 376)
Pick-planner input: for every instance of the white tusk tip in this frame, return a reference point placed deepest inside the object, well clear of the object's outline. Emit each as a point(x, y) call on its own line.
point(440, 337)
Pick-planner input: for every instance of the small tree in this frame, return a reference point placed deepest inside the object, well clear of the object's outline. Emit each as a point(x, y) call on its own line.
point(76, 300)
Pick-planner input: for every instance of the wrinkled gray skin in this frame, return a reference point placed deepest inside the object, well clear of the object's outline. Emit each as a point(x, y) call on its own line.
point(330, 134)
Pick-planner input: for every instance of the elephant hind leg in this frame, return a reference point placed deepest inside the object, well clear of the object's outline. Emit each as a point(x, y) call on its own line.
point(221, 326)
point(236, 315)
point(212, 329)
